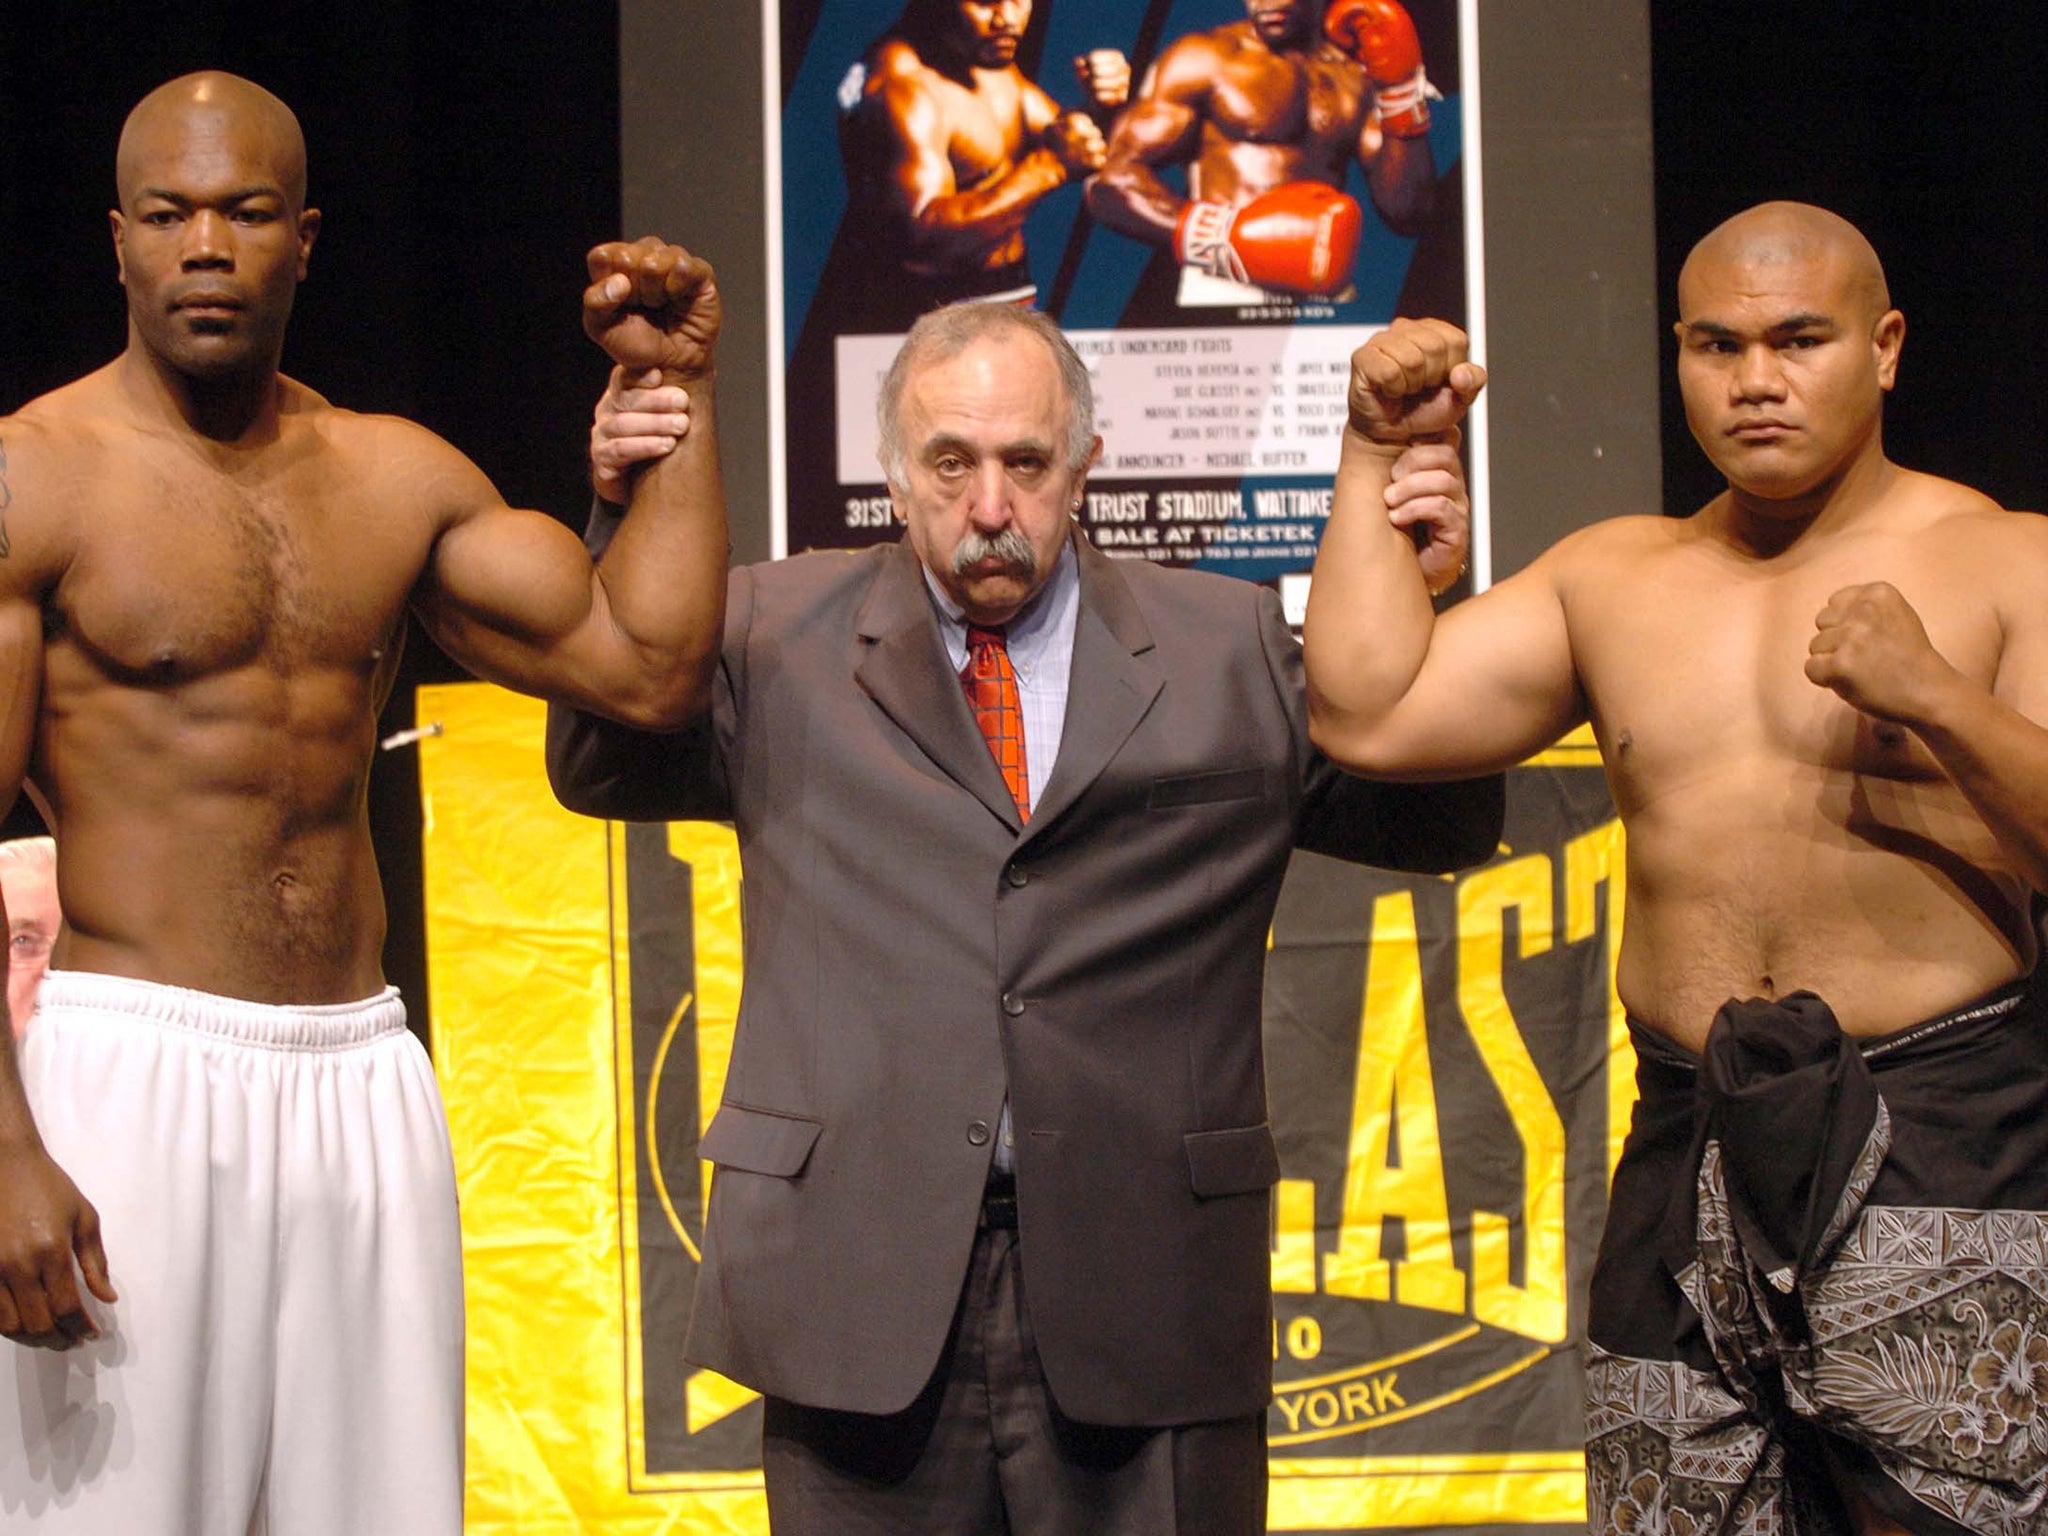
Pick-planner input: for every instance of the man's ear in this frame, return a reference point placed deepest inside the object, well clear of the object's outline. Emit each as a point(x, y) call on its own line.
point(1888, 339)
point(309, 230)
point(119, 226)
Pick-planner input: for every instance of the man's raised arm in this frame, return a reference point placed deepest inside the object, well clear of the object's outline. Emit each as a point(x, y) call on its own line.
point(1393, 691)
point(514, 597)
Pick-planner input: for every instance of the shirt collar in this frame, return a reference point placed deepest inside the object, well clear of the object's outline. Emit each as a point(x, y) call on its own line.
point(1036, 624)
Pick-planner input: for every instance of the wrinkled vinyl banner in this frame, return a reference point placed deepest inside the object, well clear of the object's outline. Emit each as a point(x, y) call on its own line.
point(1449, 1081)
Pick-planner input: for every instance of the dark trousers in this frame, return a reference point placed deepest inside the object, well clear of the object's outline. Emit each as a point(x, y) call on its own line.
point(984, 1451)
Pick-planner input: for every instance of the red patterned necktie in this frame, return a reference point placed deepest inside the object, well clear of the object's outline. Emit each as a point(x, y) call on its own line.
point(991, 685)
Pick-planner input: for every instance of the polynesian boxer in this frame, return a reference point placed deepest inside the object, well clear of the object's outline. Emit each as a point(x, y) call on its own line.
point(1821, 1302)
point(1268, 115)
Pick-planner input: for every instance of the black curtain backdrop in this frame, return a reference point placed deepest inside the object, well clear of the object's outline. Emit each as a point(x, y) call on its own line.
point(466, 155)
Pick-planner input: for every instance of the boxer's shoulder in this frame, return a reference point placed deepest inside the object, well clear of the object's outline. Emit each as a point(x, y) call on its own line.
point(74, 417)
point(1962, 532)
point(1195, 52)
point(1938, 503)
point(60, 456)
point(368, 444)
point(895, 67)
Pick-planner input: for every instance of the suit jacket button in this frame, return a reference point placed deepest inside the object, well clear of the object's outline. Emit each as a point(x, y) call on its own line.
point(977, 1133)
point(1017, 874)
point(1012, 1004)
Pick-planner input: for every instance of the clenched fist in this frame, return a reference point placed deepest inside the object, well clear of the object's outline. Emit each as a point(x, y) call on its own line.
point(1870, 647)
point(1105, 74)
point(1077, 144)
point(1412, 383)
point(652, 305)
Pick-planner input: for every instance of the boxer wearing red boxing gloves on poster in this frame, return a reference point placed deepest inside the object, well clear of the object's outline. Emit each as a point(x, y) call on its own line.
point(1268, 114)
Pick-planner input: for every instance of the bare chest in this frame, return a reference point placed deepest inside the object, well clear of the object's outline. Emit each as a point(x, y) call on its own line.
point(1692, 676)
point(1309, 106)
point(183, 574)
point(984, 126)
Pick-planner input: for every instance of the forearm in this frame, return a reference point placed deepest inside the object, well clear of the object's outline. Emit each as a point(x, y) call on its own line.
point(1369, 616)
point(964, 224)
point(17, 1123)
point(662, 573)
point(597, 767)
point(1998, 758)
point(1402, 178)
point(1429, 828)
point(1128, 198)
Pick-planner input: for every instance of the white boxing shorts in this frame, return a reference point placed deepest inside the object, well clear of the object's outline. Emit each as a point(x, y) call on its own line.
point(277, 1200)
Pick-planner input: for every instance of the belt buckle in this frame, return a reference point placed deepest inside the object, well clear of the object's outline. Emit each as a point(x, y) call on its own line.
point(999, 1212)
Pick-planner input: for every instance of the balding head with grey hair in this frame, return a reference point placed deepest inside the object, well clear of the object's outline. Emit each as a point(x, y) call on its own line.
point(945, 333)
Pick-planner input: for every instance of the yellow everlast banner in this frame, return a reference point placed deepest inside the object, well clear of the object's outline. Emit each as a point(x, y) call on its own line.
point(1449, 1080)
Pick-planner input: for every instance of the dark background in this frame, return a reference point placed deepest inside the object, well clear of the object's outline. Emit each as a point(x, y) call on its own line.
point(465, 156)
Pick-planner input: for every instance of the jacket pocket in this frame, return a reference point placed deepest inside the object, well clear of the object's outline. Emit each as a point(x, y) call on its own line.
point(759, 1141)
point(1207, 788)
point(1232, 1162)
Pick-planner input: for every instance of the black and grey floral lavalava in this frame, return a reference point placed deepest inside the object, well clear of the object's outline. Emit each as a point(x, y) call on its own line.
point(1836, 1305)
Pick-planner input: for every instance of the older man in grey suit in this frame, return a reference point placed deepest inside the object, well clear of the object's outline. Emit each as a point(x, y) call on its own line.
point(991, 1222)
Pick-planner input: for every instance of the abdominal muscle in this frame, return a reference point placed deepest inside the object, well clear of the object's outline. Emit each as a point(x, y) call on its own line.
point(1888, 899)
point(219, 840)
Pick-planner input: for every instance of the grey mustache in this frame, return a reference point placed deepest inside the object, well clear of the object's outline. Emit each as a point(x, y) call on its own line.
point(1010, 547)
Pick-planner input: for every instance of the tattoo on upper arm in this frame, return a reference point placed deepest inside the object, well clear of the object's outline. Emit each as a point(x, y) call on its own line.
point(6, 496)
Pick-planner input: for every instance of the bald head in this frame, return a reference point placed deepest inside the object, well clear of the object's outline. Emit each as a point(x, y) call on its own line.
point(1787, 343)
point(1776, 237)
point(212, 106)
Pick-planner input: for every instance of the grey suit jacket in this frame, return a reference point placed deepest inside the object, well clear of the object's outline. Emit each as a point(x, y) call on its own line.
point(912, 950)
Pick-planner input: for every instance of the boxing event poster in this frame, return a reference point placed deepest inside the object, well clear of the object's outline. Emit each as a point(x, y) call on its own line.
point(1219, 350)
point(1448, 1075)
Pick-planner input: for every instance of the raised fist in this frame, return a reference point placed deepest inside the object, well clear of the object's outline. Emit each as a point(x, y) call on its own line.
point(1105, 74)
point(652, 305)
point(1412, 383)
point(1380, 35)
point(1077, 143)
point(1301, 237)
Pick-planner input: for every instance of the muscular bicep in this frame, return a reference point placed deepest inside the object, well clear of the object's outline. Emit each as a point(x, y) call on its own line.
point(1162, 127)
point(40, 486)
point(914, 132)
point(2021, 682)
point(1497, 684)
point(1163, 124)
point(510, 594)
point(1039, 109)
point(21, 681)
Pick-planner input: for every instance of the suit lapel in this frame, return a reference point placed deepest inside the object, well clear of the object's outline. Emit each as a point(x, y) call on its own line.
point(1113, 682)
point(904, 670)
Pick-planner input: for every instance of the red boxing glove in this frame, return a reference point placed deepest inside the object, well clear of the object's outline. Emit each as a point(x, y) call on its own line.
point(1301, 237)
point(1380, 35)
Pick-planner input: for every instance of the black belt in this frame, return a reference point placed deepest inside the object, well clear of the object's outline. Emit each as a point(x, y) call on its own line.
point(999, 1202)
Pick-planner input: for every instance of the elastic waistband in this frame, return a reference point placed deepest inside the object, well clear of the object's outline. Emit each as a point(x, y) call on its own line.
point(1987, 1010)
point(276, 1026)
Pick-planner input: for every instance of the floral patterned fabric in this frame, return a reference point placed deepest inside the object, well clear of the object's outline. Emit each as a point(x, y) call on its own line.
point(1824, 1252)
